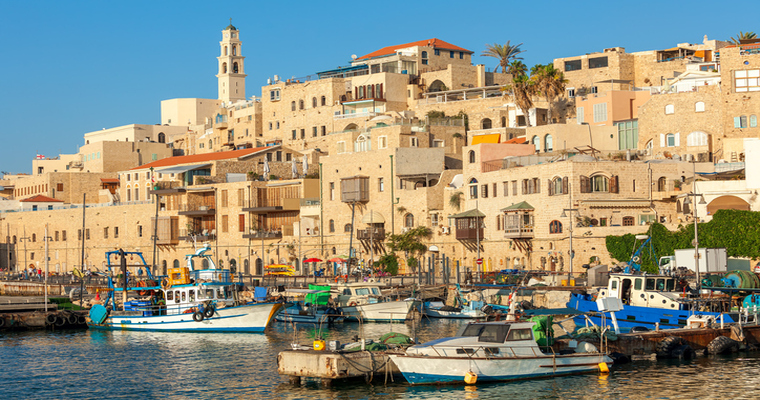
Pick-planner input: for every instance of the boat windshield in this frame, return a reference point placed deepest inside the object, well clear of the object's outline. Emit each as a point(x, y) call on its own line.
point(473, 330)
point(493, 333)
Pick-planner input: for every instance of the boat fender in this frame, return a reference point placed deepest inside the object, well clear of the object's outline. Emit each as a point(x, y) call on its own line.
point(197, 316)
point(72, 319)
point(603, 368)
point(165, 284)
point(2, 322)
point(50, 319)
point(59, 321)
point(208, 312)
point(352, 304)
point(470, 378)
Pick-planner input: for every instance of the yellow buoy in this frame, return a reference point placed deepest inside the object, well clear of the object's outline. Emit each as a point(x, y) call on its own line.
point(603, 368)
point(319, 345)
point(470, 378)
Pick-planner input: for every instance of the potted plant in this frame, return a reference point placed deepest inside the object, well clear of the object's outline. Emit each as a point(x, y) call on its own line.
point(677, 185)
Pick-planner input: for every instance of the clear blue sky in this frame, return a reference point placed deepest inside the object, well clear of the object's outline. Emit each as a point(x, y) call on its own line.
point(72, 67)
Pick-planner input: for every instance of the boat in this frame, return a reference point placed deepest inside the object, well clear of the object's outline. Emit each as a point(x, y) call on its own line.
point(488, 352)
point(649, 301)
point(363, 301)
point(189, 299)
point(280, 269)
point(315, 308)
point(439, 310)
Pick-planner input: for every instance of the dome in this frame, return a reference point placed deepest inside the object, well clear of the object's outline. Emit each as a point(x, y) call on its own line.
point(230, 27)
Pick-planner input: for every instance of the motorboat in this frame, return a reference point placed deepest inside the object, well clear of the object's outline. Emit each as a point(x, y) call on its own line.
point(316, 307)
point(363, 301)
point(439, 310)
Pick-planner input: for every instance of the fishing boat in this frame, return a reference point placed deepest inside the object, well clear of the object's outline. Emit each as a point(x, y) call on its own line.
point(365, 302)
point(315, 308)
point(196, 298)
point(439, 310)
point(491, 351)
point(648, 301)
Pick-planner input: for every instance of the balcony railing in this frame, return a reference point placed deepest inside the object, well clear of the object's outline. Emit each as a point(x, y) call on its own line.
point(355, 115)
point(184, 234)
point(196, 209)
point(469, 234)
point(371, 234)
point(263, 234)
point(520, 232)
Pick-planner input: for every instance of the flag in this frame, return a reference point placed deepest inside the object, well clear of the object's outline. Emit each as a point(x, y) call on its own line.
point(40, 157)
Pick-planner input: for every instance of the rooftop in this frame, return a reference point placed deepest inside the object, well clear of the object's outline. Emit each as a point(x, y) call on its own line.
point(434, 43)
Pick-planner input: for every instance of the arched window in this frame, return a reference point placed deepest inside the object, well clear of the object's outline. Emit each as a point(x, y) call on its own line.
point(292, 105)
point(662, 184)
point(409, 220)
point(300, 104)
point(235, 68)
point(670, 140)
point(347, 228)
point(555, 227)
point(234, 50)
point(226, 51)
point(332, 226)
point(473, 188)
point(233, 266)
point(161, 137)
point(548, 146)
point(600, 183)
point(314, 102)
point(537, 142)
point(246, 267)
point(224, 68)
point(34, 237)
point(753, 121)
point(699, 106)
point(14, 239)
point(259, 266)
point(557, 186)
point(503, 122)
point(627, 221)
point(471, 156)
point(485, 123)
point(323, 100)
point(696, 139)
point(424, 58)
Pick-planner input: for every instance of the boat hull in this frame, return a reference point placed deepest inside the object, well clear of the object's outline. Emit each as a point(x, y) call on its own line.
point(251, 318)
point(380, 312)
point(464, 314)
point(634, 316)
point(420, 370)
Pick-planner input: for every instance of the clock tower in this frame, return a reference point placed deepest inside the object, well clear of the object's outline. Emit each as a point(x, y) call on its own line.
point(231, 76)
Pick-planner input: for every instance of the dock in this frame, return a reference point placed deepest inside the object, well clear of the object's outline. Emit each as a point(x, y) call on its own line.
point(20, 313)
point(328, 366)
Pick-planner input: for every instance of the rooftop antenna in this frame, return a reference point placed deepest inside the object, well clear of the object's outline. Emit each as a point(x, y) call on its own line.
point(353, 56)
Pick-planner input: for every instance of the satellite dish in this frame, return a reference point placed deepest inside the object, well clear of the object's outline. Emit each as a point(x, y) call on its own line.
point(353, 56)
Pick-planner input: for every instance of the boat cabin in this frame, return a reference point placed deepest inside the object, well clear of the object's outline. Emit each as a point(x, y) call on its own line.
point(180, 299)
point(357, 293)
point(484, 339)
point(657, 291)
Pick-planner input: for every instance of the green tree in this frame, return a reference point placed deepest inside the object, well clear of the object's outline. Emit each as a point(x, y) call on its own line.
point(411, 243)
point(743, 36)
point(389, 263)
point(456, 200)
point(550, 82)
point(504, 53)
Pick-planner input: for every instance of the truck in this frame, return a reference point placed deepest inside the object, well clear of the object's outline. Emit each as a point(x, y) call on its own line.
point(710, 260)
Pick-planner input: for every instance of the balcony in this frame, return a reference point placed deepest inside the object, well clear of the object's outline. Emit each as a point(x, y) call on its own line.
point(469, 234)
point(375, 234)
point(263, 234)
point(204, 236)
point(167, 188)
point(518, 221)
point(355, 115)
point(309, 207)
point(196, 210)
point(354, 189)
point(519, 232)
point(469, 225)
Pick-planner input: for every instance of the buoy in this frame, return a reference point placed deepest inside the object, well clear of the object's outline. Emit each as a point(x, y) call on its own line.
point(470, 378)
point(603, 368)
point(319, 345)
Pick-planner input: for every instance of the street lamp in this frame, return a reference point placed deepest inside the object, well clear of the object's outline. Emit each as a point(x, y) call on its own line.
point(565, 214)
point(688, 201)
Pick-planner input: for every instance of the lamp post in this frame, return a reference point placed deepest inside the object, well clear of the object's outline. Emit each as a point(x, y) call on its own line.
point(565, 212)
point(688, 201)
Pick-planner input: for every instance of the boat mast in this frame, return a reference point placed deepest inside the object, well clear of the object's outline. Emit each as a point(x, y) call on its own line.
point(84, 236)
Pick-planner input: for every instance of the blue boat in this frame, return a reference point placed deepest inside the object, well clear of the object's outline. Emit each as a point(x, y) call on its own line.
point(649, 301)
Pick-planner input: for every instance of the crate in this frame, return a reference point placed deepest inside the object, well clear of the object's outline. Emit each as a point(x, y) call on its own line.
point(179, 276)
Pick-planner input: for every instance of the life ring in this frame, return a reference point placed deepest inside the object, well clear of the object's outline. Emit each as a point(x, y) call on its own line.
point(209, 311)
point(197, 316)
point(371, 280)
point(352, 304)
point(165, 284)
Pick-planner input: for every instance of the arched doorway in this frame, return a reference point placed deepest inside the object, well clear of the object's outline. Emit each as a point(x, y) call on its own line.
point(246, 267)
point(727, 203)
point(486, 123)
point(437, 86)
point(233, 266)
point(259, 267)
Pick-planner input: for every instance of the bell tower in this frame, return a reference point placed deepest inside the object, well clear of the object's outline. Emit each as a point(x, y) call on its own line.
point(231, 76)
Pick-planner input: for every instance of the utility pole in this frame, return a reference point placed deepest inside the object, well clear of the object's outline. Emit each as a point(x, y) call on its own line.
point(47, 266)
point(25, 239)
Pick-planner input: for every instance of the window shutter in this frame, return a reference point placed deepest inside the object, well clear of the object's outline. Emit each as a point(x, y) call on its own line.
point(678, 139)
point(753, 121)
point(551, 187)
point(737, 122)
point(614, 184)
point(662, 140)
point(585, 184)
point(538, 185)
point(565, 183)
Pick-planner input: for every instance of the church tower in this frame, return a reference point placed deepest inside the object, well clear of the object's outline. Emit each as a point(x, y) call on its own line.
point(231, 74)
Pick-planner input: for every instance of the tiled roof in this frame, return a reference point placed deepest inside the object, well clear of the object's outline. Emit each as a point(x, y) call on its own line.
point(109, 180)
point(434, 43)
point(41, 199)
point(199, 158)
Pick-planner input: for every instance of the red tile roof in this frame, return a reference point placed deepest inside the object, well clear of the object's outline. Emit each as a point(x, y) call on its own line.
point(41, 199)
point(434, 43)
point(109, 180)
point(199, 158)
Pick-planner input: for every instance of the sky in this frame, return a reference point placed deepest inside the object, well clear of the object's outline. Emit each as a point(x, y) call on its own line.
point(72, 67)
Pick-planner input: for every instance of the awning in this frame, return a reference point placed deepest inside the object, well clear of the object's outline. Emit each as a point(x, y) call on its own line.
point(182, 168)
point(490, 138)
point(617, 203)
point(523, 205)
point(469, 214)
point(373, 217)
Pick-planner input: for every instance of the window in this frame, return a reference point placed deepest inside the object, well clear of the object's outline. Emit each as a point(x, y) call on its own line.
point(670, 139)
point(59, 187)
point(628, 134)
point(292, 105)
point(380, 185)
point(314, 102)
point(332, 190)
point(753, 121)
point(598, 62)
point(314, 131)
point(324, 100)
point(594, 90)
point(599, 183)
point(747, 80)
point(274, 95)
point(471, 156)
point(548, 145)
point(56, 236)
point(570, 92)
point(699, 106)
point(382, 142)
point(573, 65)
point(740, 122)
point(225, 223)
point(409, 220)
point(494, 190)
point(115, 233)
point(300, 105)
point(670, 109)
point(696, 139)
point(105, 233)
point(137, 193)
point(87, 233)
point(436, 52)
point(555, 227)
point(324, 130)
point(514, 188)
point(627, 221)
point(332, 226)
point(600, 112)
point(556, 187)
point(414, 142)
point(484, 191)
point(347, 228)
point(505, 188)
point(303, 133)
point(536, 143)
point(579, 115)
point(461, 55)
point(295, 134)
point(224, 198)
point(79, 234)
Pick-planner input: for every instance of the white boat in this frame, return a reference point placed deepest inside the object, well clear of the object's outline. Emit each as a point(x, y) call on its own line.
point(189, 300)
point(365, 302)
point(439, 310)
point(490, 351)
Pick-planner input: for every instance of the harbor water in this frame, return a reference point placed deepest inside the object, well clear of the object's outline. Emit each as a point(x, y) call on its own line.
point(146, 365)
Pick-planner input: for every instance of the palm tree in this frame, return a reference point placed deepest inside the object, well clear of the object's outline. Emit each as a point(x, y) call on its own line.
point(550, 82)
point(516, 68)
point(521, 89)
point(506, 54)
point(743, 36)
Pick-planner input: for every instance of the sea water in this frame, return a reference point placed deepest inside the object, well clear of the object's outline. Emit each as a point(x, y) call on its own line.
point(152, 365)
